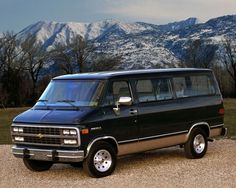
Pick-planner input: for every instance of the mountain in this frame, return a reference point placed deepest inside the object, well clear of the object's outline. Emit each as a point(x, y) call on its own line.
point(140, 44)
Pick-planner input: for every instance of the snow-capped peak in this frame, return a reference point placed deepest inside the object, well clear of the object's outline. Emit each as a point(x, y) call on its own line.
point(50, 32)
point(140, 44)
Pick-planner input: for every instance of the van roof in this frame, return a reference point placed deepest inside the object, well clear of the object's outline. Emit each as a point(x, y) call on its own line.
point(130, 73)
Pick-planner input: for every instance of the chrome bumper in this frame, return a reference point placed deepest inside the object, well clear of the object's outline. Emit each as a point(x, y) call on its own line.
point(48, 155)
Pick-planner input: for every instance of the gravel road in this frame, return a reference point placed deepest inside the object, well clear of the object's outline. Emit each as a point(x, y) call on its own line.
point(160, 168)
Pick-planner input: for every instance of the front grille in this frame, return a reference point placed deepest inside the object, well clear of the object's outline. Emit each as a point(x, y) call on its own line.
point(44, 135)
point(46, 140)
point(42, 130)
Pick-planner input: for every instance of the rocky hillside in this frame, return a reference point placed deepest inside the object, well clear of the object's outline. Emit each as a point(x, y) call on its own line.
point(140, 44)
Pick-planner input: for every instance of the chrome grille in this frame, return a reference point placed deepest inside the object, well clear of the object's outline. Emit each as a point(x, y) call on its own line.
point(42, 130)
point(45, 140)
point(44, 135)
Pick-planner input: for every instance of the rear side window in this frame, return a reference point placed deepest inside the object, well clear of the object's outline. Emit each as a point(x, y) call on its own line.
point(180, 86)
point(196, 85)
point(202, 85)
point(153, 90)
point(163, 89)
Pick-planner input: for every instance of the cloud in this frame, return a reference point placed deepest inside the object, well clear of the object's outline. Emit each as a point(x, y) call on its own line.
point(169, 10)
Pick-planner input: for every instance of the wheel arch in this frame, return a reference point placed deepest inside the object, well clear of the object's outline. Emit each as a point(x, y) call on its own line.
point(109, 139)
point(203, 125)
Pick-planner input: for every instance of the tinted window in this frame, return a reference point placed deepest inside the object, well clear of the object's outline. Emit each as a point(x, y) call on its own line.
point(180, 86)
point(163, 89)
point(202, 85)
point(153, 90)
point(118, 89)
point(145, 91)
point(195, 85)
point(71, 93)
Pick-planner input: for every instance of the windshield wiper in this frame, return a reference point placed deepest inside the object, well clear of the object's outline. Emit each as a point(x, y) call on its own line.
point(42, 100)
point(69, 102)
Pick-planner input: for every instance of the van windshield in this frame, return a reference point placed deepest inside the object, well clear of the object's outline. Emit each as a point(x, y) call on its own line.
point(72, 93)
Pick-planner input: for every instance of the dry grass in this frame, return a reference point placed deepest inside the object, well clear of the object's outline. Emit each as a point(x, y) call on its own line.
point(230, 116)
point(6, 117)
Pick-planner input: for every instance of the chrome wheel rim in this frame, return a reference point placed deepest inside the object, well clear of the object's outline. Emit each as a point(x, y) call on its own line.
point(102, 160)
point(199, 143)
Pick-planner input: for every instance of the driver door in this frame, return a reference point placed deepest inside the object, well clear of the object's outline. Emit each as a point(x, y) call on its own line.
point(122, 126)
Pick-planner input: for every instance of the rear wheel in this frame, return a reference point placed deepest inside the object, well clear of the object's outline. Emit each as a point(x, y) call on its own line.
point(196, 145)
point(35, 165)
point(101, 160)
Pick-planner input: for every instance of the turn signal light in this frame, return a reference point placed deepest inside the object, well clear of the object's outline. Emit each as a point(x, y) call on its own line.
point(85, 131)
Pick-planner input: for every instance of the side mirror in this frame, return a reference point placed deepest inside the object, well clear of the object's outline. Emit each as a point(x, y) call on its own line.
point(127, 101)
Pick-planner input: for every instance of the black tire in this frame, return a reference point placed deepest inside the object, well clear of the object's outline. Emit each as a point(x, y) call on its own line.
point(104, 152)
point(197, 150)
point(35, 165)
point(77, 165)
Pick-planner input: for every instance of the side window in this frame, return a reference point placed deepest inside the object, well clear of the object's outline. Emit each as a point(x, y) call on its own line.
point(153, 90)
point(118, 89)
point(180, 86)
point(195, 85)
point(202, 85)
point(145, 91)
point(163, 89)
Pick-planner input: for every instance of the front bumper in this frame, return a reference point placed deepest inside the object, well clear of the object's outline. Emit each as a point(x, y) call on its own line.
point(48, 155)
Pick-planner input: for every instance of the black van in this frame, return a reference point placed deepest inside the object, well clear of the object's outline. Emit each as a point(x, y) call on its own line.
point(92, 118)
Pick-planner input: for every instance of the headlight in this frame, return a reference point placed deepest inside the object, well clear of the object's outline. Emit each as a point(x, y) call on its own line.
point(15, 129)
point(70, 141)
point(19, 138)
point(18, 129)
point(73, 132)
point(66, 132)
point(69, 132)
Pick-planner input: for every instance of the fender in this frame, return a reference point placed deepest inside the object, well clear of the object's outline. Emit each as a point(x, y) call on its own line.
point(99, 139)
point(198, 124)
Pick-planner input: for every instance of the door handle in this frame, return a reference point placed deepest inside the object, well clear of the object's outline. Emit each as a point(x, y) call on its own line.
point(133, 111)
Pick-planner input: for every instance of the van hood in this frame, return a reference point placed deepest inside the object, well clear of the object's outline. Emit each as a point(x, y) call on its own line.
point(53, 116)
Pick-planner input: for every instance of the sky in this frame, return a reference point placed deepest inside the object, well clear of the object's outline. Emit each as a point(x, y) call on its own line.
point(15, 15)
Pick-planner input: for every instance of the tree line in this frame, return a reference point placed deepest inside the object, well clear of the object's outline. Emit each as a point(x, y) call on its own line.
point(24, 65)
point(25, 72)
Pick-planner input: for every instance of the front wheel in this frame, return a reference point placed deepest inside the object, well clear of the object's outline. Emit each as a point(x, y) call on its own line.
point(101, 160)
point(196, 145)
point(35, 165)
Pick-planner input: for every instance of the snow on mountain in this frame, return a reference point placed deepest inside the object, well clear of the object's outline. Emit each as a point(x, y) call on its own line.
point(49, 33)
point(141, 45)
point(213, 31)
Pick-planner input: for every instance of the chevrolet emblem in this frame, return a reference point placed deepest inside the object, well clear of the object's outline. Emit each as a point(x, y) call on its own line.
point(40, 135)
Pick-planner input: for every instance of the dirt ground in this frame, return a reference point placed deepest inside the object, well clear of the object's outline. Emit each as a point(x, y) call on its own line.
point(160, 168)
